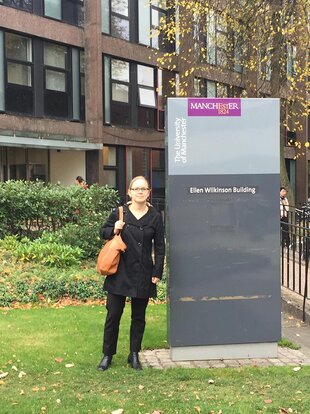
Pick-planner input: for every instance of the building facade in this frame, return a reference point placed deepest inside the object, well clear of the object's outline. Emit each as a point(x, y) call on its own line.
point(81, 93)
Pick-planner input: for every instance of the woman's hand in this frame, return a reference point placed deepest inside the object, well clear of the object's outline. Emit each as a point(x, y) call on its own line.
point(155, 280)
point(119, 224)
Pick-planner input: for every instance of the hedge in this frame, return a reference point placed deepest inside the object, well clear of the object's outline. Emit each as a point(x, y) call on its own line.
point(75, 215)
point(30, 282)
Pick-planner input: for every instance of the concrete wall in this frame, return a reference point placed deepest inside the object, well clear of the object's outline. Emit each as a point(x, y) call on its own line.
point(65, 166)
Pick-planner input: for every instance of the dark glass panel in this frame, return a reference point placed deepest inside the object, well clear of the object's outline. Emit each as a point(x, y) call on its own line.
point(146, 117)
point(120, 114)
point(56, 104)
point(19, 4)
point(19, 99)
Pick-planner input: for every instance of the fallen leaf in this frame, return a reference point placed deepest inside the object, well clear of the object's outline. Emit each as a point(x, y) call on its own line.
point(14, 367)
point(58, 401)
point(268, 401)
point(119, 411)
point(58, 360)
point(2, 382)
point(57, 373)
point(69, 365)
point(211, 381)
point(21, 374)
point(22, 392)
point(198, 409)
point(156, 412)
point(3, 374)
point(35, 389)
point(43, 388)
point(141, 387)
point(297, 369)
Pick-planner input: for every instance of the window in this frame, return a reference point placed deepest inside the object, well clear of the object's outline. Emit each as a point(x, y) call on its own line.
point(70, 11)
point(73, 12)
point(130, 93)
point(216, 39)
point(152, 16)
point(52, 8)
point(210, 89)
point(160, 102)
point(41, 78)
point(265, 61)
point(19, 4)
point(120, 108)
point(137, 163)
point(158, 173)
point(120, 19)
point(291, 60)
point(25, 164)
point(82, 85)
point(239, 53)
point(158, 19)
point(110, 165)
point(115, 18)
point(147, 97)
point(56, 97)
point(19, 94)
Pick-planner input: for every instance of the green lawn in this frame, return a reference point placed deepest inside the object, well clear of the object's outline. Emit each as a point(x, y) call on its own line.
point(31, 340)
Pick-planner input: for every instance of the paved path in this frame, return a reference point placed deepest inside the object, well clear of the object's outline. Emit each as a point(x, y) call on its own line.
point(296, 331)
point(292, 329)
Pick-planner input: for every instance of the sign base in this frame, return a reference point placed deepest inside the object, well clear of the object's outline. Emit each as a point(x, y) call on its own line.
point(234, 351)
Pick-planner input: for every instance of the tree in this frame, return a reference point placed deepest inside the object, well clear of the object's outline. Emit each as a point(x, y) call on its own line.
point(254, 48)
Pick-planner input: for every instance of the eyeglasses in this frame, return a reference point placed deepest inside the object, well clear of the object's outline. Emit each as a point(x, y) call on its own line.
point(143, 189)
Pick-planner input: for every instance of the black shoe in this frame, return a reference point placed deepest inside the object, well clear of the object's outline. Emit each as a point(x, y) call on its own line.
point(105, 363)
point(133, 361)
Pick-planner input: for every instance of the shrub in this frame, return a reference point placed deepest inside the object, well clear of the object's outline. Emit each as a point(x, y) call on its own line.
point(28, 208)
point(43, 250)
point(84, 235)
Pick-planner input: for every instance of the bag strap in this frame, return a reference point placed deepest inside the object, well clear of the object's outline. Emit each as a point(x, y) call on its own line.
point(120, 216)
point(121, 213)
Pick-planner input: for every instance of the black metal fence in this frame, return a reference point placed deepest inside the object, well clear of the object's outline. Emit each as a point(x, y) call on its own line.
point(295, 251)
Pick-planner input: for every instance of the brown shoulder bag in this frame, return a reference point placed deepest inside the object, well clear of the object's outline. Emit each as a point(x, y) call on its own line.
point(109, 256)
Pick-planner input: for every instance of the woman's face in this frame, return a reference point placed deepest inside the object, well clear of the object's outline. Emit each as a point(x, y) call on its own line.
point(139, 191)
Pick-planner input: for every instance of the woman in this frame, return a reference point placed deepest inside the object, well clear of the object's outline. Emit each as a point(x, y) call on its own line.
point(137, 274)
point(81, 182)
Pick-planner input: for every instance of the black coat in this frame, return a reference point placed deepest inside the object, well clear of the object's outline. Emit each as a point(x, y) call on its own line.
point(136, 268)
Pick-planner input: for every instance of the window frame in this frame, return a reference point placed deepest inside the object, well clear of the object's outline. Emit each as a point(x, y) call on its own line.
point(161, 11)
point(113, 168)
point(25, 8)
point(67, 71)
point(16, 86)
point(134, 107)
point(122, 17)
point(50, 68)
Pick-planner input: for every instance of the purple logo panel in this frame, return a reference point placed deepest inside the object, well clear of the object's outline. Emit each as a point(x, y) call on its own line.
point(214, 107)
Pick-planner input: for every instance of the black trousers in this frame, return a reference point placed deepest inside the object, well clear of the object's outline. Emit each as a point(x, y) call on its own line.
point(115, 306)
point(285, 231)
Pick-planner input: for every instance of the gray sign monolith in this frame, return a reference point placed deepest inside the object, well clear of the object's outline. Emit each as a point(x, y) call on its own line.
point(223, 227)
